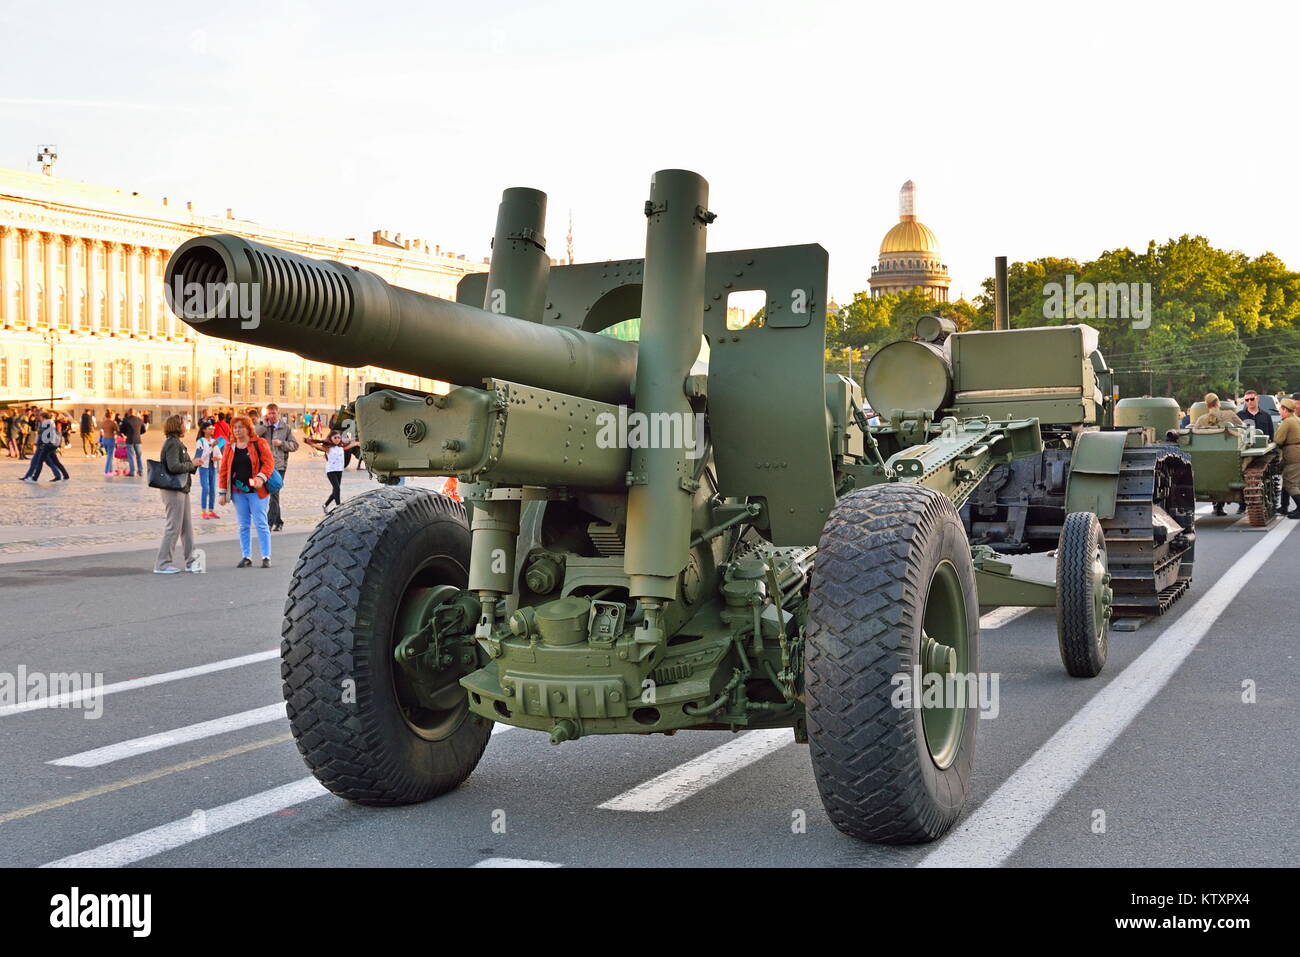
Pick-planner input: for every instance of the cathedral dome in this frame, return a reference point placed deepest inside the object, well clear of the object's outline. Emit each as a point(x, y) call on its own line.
point(909, 255)
point(909, 236)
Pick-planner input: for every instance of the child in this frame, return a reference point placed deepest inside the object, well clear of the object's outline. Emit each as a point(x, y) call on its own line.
point(207, 456)
point(333, 447)
point(119, 455)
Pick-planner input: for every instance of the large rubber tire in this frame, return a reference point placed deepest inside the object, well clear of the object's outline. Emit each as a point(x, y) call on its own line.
point(881, 552)
point(1082, 628)
point(339, 628)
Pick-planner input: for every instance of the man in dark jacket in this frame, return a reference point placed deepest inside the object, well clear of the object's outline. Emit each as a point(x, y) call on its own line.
point(278, 433)
point(1251, 412)
point(132, 427)
point(89, 440)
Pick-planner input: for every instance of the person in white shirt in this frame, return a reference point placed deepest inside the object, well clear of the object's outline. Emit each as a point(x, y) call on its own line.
point(207, 455)
point(334, 448)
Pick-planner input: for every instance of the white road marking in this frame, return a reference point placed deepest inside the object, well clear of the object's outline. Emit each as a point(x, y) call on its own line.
point(194, 827)
point(673, 787)
point(166, 739)
point(994, 831)
point(72, 699)
point(1004, 616)
point(514, 862)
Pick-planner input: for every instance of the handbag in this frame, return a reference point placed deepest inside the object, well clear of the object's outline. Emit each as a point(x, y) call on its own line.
point(160, 477)
point(275, 482)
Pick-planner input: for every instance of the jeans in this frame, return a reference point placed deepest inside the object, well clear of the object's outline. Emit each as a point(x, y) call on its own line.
point(208, 489)
point(38, 461)
point(249, 507)
point(52, 459)
point(133, 464)
point(110, 446)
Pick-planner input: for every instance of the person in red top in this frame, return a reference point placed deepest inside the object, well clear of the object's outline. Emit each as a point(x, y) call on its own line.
point(246, 465)
point(222, 429)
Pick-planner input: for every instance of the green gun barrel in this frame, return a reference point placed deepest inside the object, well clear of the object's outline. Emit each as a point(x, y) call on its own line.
point(329, 312)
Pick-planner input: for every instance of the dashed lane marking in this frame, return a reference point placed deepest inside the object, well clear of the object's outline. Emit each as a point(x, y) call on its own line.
point(195, 826)
point(72, 699)
point(102, 789)
point(166, 739)
point(673, 787)
point(1004, 616)
point(514, 862)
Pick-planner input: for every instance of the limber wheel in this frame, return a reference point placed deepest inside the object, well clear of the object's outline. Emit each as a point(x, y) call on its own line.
point(369, 570)
point(1083, 595)
point(893, 592)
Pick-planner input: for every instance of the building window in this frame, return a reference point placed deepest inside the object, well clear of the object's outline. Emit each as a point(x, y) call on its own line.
point(347, 388)
point(310, 383)
point(109, 377)
point(239, 383)
point(47, 376)
point(24, 373)
point(128, 376)
point(101, 308)
point(4, 370)
point(216, 382)
point(182, 379)
point(322, 387)
point(88, 376)
point(165, 380)
point(252, 382)
point(266, 382)
point(69, 374)
point(146, 379)
point(284, 384)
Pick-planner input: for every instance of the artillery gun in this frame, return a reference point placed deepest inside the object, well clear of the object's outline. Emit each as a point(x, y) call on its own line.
point(648, 545)
point(1114, 505)
point(1229, 464)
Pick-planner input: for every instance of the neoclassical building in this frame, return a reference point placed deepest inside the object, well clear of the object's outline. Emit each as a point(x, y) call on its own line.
point(909, 255)
point(83, 318)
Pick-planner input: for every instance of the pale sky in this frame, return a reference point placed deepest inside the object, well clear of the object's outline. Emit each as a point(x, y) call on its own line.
point(1030, 129)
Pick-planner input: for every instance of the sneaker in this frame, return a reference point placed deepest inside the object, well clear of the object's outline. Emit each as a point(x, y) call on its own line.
point(169, 570)
point(245, 563)
point(266, 563)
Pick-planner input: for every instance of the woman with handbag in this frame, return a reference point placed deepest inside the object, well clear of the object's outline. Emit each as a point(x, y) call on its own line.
point(247, 465)
point(171, 475)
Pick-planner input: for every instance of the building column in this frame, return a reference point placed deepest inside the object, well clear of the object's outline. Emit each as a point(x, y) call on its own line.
point(89, 248)
point(132, 264)
point(112, 253)
point(27, 276)
point(6, 300)
point(150, 313)
point(72, 283)
point(51, 317)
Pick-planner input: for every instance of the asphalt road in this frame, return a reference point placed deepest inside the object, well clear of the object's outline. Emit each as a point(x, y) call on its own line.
point(1178, 767)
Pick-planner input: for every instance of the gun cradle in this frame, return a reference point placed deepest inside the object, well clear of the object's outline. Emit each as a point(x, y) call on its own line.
point(504, 433)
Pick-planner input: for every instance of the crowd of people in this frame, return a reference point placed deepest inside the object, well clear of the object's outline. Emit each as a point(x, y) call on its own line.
point(242, 459)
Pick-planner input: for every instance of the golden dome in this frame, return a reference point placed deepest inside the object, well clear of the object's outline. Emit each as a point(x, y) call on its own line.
point(910, 236)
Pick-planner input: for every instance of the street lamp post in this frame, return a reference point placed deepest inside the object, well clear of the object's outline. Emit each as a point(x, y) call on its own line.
point(52, 337)
point(230, 348)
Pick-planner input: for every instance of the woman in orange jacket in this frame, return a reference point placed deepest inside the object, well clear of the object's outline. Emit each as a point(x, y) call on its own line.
point(246, 465)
